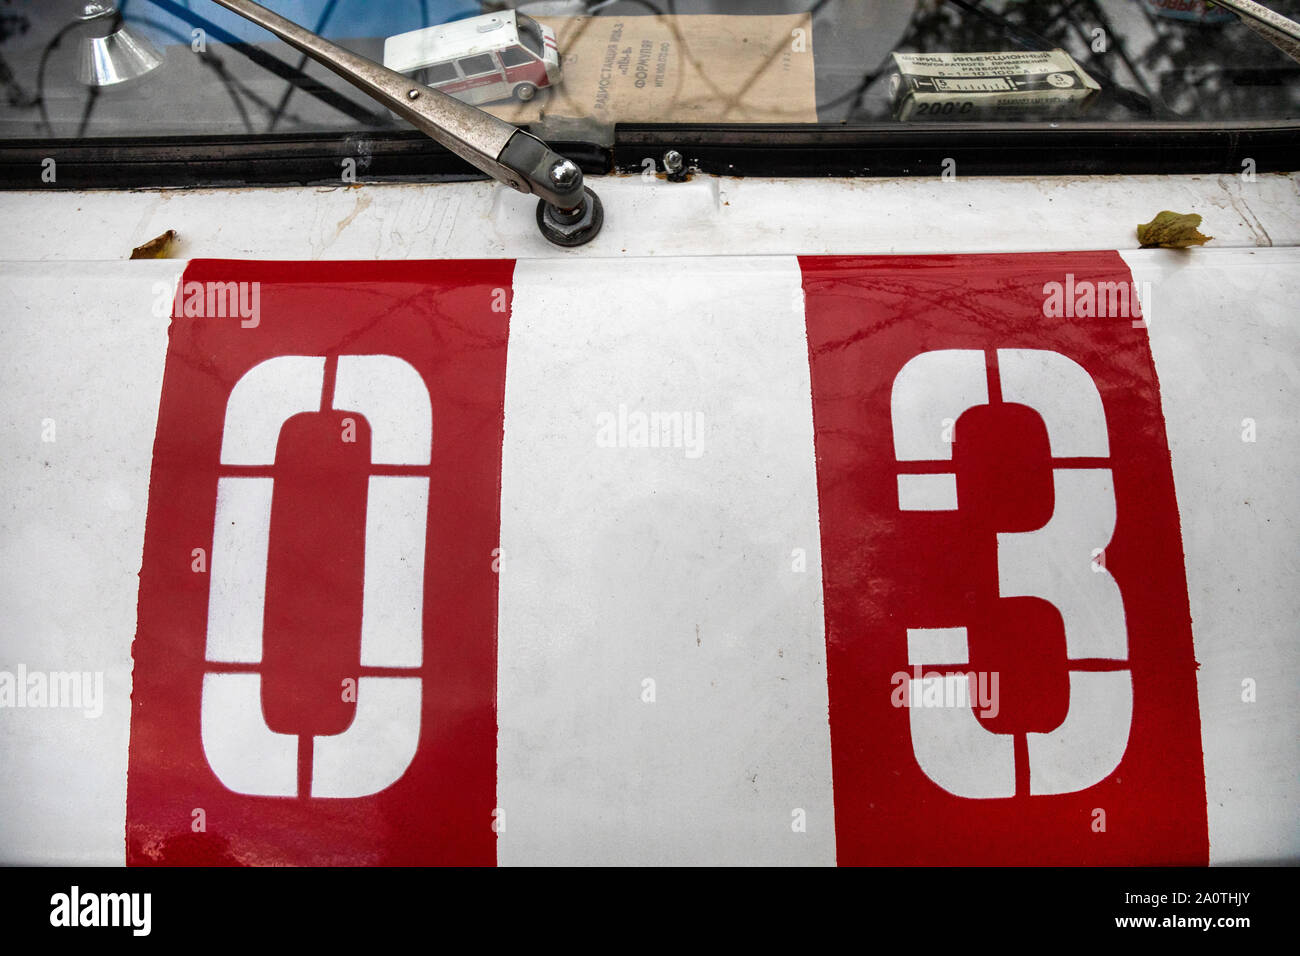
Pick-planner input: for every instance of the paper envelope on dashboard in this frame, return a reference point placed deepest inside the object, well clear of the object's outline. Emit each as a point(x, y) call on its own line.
point(679, 69)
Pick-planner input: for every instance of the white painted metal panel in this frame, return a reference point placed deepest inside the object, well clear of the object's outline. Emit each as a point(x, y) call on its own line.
point(627, 564)
point(80, 348)
point(707, 216)
point(1226, 342)
point(613, 556)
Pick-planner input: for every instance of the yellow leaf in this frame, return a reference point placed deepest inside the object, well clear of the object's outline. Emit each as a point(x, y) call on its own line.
point(1172, 230)
point(159, 248)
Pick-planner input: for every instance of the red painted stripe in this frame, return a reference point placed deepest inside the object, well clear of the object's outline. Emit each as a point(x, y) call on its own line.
point(442, 323)
point(534, 72)
point(886, 570)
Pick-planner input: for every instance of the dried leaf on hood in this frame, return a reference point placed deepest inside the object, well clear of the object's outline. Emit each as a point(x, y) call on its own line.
point(1172, 230)
point(159, 248)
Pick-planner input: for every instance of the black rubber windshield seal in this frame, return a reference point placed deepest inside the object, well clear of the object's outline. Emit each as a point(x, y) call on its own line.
point(786, 151)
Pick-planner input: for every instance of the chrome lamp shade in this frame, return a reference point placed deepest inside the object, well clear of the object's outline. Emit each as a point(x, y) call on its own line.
point(113, 53)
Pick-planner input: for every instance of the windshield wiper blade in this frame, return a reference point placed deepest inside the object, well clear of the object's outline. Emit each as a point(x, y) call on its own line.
point(568, 213)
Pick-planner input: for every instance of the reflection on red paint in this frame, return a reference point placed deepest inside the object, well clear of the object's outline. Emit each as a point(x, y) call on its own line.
point(443, 326)
point(1093, 755)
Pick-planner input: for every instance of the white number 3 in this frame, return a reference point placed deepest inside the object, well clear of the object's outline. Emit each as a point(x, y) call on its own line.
point(1054, 562)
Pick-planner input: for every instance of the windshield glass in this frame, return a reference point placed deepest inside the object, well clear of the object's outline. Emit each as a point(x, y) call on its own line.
point(530, 33)
point(72, 70)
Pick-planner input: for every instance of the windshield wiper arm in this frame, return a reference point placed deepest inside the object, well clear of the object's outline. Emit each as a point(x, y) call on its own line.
point(568, 213)
point(1282, 32)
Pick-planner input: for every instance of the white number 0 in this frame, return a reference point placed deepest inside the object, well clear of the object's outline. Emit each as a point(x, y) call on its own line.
point(245, 754)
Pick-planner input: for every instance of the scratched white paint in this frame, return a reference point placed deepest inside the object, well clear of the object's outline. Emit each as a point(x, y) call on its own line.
point(78, 345)
point(706, 216)
point(585, 764)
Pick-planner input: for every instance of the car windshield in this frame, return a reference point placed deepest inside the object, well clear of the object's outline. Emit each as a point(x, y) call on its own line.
point(187, 71)
point(530, 34)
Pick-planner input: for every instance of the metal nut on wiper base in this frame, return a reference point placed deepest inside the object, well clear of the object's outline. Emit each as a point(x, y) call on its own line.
point(568, 213)
point(571, 227)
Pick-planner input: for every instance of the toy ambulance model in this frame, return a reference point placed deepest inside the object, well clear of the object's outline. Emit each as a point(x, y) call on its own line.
point(480, 59)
